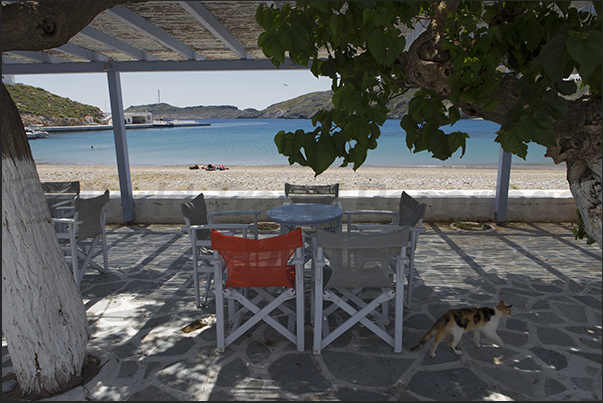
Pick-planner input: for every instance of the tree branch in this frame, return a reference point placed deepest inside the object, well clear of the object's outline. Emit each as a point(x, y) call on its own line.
point(32, 25)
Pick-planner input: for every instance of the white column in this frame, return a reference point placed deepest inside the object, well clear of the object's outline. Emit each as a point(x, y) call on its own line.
point(502, 186)
point(121, 145)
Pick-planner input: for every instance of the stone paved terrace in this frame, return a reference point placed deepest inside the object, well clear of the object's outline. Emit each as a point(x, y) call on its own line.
point(552, 340)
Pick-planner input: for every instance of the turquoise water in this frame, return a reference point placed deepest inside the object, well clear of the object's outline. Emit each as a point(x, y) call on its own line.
point(251, 142)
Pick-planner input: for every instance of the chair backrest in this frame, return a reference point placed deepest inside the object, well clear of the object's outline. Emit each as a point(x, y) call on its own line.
point(58, 192)
point(61, 187)
point(258, 262)
point(89, 212)
point(411, 212)
point(195, 213)
point(361, 260)
point(324, 194)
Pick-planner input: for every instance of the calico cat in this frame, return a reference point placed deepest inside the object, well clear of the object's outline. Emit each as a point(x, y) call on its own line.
point(455, 322)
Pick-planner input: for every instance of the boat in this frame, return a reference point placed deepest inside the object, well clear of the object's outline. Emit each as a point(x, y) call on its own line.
point(35, 132)
point(162, 123)
point(188, 122)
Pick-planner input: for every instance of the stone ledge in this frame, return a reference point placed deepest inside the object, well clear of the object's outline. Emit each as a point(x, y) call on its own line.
point(154, 207)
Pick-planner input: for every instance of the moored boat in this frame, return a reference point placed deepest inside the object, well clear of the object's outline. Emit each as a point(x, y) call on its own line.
point(35, 132)
point(162, 123)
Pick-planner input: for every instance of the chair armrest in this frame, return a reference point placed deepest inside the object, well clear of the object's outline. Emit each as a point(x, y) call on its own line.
point(255, 213)
point(64, 203)
point(217, 227)
point(349, 213)
point(65, 221)
point(369, 212)
point(233, 212)
point(389, 227)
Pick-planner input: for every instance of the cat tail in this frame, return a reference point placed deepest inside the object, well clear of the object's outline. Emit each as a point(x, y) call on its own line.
point(440, 322)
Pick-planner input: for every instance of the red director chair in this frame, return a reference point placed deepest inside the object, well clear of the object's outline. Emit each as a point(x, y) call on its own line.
point(263, 283)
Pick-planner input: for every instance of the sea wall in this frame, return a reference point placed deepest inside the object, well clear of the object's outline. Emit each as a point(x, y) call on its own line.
point(442, 205)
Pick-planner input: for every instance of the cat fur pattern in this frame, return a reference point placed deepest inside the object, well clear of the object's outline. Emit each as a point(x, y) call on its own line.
point(455, 322)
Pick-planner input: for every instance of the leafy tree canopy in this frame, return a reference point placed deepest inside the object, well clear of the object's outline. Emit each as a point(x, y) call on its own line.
point(477, 47)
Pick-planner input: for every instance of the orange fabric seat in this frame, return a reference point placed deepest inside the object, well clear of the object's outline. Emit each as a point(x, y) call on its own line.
point(258, 262)
point(271, 270)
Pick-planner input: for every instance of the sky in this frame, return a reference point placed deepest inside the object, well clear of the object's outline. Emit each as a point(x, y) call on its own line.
point(243, 89)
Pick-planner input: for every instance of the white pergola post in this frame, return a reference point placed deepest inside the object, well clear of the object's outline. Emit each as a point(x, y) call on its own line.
point(121, 145)
point(502, 186)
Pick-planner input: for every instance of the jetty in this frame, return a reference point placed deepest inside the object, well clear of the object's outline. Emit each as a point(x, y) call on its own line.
point(175, 123)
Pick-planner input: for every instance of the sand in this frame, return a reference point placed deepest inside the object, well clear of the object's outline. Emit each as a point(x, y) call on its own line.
point(273, 177)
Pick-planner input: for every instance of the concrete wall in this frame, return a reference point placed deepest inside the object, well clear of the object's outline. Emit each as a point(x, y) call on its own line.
point(442, 205)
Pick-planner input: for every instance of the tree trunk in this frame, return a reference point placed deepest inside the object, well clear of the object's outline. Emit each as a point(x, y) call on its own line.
point(579, 146)
point(43, 316)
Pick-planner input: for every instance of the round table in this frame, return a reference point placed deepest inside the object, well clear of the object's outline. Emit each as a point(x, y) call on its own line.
point(305, 215)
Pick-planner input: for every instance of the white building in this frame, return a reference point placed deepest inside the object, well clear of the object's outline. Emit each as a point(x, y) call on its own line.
point(137, 118)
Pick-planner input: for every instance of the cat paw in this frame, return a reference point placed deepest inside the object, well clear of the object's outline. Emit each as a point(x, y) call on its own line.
point(432, 354)
point(477, 345)
point(457, 352)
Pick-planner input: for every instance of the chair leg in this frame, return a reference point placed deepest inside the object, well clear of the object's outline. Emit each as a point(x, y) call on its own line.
point(219, 307)
point(318, 309)
point(410, 279)
point(210, 276)
point(105, 252)
point(399, 311)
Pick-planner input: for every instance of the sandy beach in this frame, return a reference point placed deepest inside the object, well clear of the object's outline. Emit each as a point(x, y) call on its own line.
point(273, 177)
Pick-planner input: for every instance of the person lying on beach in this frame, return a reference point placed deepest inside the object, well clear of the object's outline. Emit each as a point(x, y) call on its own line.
point(212, 167)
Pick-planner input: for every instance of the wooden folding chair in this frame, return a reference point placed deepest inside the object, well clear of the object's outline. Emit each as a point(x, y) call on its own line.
point(349, 269)
point(410, 214)
point(199, 223)
point(261, 280)
point(78, 236)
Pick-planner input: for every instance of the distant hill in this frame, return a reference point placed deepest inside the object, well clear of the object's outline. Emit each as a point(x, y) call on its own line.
point(40, 107)
point(167, 111)
point(302, 107)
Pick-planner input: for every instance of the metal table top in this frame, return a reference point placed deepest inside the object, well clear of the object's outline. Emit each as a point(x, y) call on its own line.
point(305, 214)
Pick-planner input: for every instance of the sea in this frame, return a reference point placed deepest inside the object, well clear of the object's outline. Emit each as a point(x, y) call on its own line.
point(251, 142)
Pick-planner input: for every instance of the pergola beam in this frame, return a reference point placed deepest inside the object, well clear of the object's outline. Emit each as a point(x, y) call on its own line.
point(82, 53)
point(36, 56)
point(147, 66)
point(116, 44)
point(129, 17)
point(201, 14)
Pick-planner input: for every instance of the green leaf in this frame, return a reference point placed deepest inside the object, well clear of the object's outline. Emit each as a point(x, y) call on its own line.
point(377, 45)
point(553, 58)
point(325, 155)
point(359, 155)
point(556, 106)
point(439, 146)
point(453, 114)
point(395, 47)
point(335, 23)
point(568, 87)
point(586, 50)
point(457, 139)
point(279, 140)
point(299, 35)
point(533, 34)
point(541, 130)
point(512, 142)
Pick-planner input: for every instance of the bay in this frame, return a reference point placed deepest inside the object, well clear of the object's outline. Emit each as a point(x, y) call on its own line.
point(251, 142)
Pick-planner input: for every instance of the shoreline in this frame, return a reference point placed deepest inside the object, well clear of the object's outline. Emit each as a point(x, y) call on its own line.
point(273, 177)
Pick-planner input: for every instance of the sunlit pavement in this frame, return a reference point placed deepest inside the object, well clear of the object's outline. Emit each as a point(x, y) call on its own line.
point(552, 340)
